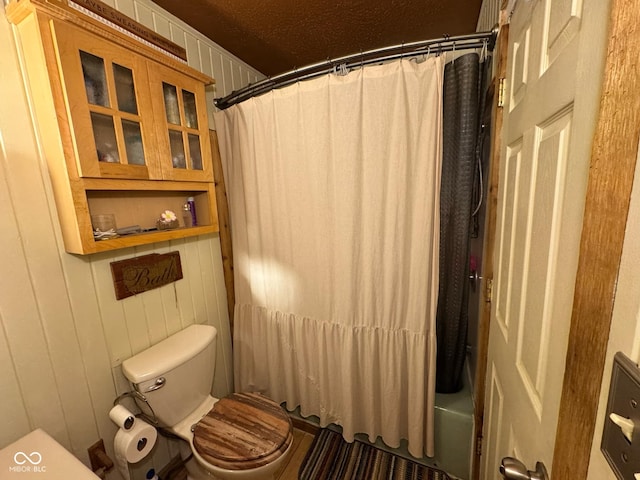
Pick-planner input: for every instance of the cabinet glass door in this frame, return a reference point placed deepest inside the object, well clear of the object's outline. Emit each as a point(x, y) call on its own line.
point(182, 119)
point(181, 105)
point(109, 115)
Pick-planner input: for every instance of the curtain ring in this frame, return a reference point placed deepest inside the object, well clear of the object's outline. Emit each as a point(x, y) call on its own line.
point(334, 65)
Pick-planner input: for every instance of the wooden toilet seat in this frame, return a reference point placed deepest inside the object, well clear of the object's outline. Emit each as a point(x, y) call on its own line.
point(243, 431)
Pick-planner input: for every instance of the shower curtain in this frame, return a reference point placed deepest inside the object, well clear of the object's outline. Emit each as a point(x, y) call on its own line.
point(333, 188)
point(460, 139)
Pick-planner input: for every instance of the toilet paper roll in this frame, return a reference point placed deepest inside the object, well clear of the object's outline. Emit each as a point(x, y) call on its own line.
point(122, 417)
point(131, 446)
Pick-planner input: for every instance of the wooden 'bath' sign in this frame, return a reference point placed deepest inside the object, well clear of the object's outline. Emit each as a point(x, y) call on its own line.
point(137, 275)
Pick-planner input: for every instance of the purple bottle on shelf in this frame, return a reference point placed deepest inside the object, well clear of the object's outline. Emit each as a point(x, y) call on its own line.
point(192, 208)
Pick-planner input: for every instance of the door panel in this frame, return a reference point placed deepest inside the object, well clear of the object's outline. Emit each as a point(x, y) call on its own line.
point(562, 26)
point(543, 175)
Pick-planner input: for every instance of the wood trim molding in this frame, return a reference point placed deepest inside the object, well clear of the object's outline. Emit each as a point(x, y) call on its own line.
point(304, 425)
point(613, 162)
point(224, 225)
point(489, 246)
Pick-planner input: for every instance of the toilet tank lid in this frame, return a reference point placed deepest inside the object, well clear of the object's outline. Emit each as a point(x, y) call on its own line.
point(169, 353)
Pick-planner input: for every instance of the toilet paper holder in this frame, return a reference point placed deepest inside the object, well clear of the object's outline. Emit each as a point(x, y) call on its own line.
point(136, 394)
point(135, 438)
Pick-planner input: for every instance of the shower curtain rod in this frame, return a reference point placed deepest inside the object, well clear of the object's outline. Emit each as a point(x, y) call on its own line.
point(444, 44)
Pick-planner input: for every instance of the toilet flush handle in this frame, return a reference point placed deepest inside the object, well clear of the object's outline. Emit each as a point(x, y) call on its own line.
point(159, 383)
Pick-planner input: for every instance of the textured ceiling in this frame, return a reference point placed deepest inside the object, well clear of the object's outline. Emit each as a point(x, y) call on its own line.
point(275, 36)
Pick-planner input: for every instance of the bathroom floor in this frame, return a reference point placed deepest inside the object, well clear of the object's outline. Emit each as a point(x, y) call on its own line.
point(301, 443)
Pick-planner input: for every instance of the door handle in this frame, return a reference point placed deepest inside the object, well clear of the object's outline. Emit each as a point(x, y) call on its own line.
point(513, 469)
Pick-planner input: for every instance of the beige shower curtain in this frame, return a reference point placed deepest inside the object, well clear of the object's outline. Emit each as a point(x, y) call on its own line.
point(333, 188)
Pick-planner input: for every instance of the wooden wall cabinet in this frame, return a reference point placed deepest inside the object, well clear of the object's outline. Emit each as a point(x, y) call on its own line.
point(182, 123)
point(123, 126)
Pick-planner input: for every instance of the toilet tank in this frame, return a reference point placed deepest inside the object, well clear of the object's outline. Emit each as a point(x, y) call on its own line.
point(176, 374)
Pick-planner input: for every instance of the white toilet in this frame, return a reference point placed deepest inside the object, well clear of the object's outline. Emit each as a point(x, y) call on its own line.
point(242, 436)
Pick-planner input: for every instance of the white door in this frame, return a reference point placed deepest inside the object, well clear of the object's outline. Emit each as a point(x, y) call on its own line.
point(554, 70)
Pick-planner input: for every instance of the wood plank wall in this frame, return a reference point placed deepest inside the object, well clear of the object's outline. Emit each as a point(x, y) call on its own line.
point(63, 335)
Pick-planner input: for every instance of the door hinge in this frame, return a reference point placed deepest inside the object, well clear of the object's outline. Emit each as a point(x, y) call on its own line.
point(501, 91)
point(488, 292)
point(479, 446)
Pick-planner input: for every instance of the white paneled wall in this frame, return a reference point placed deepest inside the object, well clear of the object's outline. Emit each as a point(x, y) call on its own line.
point(229, 72)
point(489, 15)
point(63, 335)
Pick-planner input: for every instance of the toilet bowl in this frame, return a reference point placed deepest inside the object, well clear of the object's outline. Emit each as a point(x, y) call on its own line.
point(241, 436)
